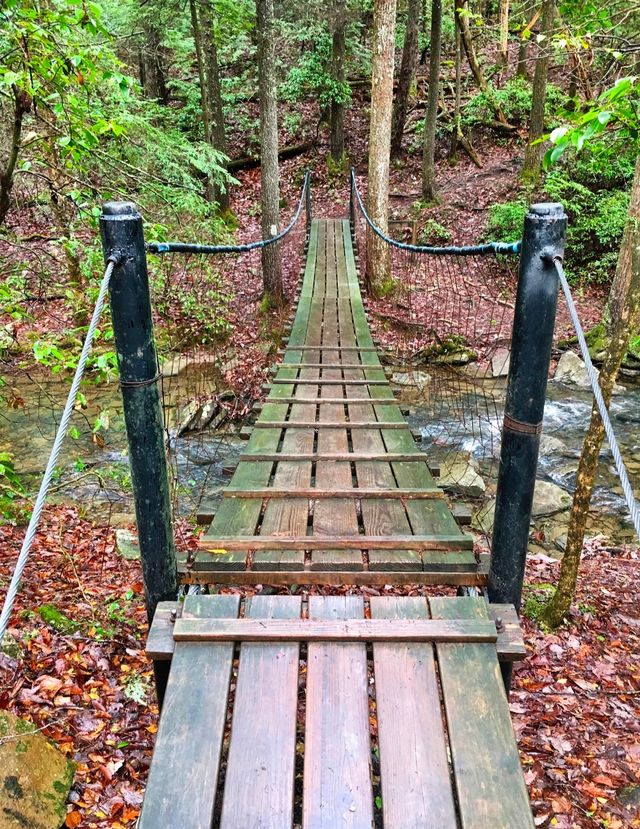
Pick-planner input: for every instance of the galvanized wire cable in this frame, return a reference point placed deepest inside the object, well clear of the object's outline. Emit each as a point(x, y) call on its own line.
point(632, 504)
point(187, 247)
point(32, 529)
point(504, 248)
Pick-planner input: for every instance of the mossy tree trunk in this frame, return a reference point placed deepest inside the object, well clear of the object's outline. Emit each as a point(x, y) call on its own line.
point(535, 149)
point(621, 326)
point(269, 172)
point(378, 259)
point(217, 137)
point(429, 149)
point(337, 71)
point(407, 75)
point(503, 54)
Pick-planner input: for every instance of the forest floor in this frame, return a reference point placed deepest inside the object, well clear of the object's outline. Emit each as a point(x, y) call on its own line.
point(85, 681)
point(89, 686)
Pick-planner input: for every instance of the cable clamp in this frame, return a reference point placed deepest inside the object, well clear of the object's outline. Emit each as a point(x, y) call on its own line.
point(513, 425)
point(138, 384)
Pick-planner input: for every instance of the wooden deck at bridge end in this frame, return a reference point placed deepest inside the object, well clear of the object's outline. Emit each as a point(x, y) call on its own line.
point(333, 489)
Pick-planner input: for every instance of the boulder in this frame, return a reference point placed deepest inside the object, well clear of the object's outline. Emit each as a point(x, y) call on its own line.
point(483, 518)
point(572, 371)
point(127, 545)
point(551, 445)
point(500, 362)
point(411, 378)
point(35, 777)
point(549, 498)
point(460, 474)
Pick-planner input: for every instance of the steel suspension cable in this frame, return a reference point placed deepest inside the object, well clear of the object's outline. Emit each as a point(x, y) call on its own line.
point(632, 504)
point(504, 248)
point(32, 528)
point(187, 247)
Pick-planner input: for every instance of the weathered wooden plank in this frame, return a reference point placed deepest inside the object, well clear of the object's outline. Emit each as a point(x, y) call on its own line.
point(317, 425)
point(321, 382)
point(315, 493)
point(489, 783)
point(337, 779)
point(161, 630)
point(209, 573)
point(511, 647)
point(210, 543)
point(389, 457)
point(290, 628)
point(181, 788)
point(379, 402)
point(414, 772)
point(258, 788)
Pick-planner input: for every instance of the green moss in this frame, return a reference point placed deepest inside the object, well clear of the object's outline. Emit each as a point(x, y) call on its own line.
point(536, 599)
point(57, 620)
point(386, 287)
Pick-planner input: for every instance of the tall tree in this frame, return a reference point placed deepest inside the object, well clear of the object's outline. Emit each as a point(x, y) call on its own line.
point(429, 149)
point(269, 173)
point(407, 75)
point(338, 74)
point(217, 137)
point(152, 72)
point(503, 53)
point(534, 149)
point(626, 301)
point(378, 259)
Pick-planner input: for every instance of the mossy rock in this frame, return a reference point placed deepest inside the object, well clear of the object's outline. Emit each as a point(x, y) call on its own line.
point(35, 777)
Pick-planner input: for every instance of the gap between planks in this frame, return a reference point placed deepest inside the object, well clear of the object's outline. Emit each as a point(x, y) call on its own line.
point(313, 492)
point(454, 543)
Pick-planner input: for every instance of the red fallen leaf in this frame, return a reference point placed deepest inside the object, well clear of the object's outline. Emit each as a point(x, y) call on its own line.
point(73, 819)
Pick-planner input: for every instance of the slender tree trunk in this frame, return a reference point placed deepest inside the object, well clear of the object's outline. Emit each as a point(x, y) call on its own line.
point(428, 154)
point(504, 33)
point(337, 71)
point(21, 105)
point(153, 75)
point(469, 48)
point(202, 76)
point(269, 174)
point(217, 136)
point(378, 258)
point(523, 57)
point(626, 321)
point(407, 75)
point(535, 149)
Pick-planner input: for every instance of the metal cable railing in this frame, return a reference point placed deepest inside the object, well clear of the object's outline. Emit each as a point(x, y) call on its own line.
point(627, 489)
point(187, 247)
point(504, 248)
point(32, 528)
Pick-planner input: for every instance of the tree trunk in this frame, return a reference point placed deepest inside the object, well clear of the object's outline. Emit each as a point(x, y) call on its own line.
point(202, 78)
point(152, 75)
point(21, 105)
point(269, 174)
point(217, 137)
point(504, 34)
point(378, 258)
point(534, 151)
point(337, 71)
point(626, 321)
point(407, 76)
point(428, 154)
point(481, 81)
point(523, 57)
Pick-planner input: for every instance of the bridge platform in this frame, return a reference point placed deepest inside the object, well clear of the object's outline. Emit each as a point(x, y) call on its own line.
point(334, 711)
point(332, 488)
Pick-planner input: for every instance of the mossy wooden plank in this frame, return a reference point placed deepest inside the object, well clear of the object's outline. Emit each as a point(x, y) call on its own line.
point(182, 783)
point(259, 779)
point(416, 783)
point(489, 782)
point(337, 766)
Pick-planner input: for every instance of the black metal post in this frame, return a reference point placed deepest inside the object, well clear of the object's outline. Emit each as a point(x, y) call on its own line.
point(544, 234)
point(352, 205)
point(121, 229)
point(307, 200)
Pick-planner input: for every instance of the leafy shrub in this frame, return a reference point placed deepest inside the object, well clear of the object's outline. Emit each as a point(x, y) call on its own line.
point(433, 233)
point(514, 99)
point(505, 221)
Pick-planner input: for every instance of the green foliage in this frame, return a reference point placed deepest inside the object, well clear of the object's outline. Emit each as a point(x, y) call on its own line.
point(312, 74)
point(433, 233)
point(505, 221)
point(51, 616)
point(596, 224)
point(514, 99)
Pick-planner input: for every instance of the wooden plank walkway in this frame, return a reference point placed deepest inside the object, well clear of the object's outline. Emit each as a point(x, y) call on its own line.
point(378, 516)
point(334, 718)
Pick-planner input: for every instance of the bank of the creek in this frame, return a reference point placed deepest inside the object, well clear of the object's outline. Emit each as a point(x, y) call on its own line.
point(459, 421)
